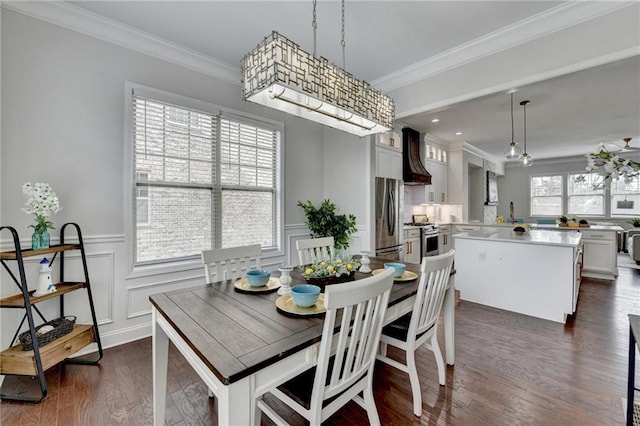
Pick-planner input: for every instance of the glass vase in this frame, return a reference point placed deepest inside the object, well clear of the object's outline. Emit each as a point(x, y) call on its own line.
point(40, 240)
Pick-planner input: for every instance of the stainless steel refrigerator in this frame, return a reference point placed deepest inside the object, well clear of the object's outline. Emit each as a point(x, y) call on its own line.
point(388, 229)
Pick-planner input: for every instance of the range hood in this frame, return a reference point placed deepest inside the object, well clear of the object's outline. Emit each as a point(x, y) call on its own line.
point(413, 171)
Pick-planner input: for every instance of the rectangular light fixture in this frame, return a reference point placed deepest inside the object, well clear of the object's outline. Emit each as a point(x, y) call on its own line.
point(280, 74)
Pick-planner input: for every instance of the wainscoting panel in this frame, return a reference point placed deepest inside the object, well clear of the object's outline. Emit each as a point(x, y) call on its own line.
point(101, 267)
point(138, 296)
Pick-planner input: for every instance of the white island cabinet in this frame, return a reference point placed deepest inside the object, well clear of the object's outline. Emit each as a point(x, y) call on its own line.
point(536, 274)
point(600, 249)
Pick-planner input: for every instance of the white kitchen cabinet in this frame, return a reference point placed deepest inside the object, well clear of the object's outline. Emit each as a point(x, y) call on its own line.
point(391, 139)
point(600, 254)
point(388, 162)
point(436, 193)
point(411, 252)
point(444, 238)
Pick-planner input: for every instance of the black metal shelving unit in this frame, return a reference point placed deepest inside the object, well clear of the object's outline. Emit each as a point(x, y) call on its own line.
point(28, 365)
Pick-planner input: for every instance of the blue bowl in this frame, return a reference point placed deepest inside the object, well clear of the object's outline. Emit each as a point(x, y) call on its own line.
point(305, 295)
point(258, 277)
point(399, 267)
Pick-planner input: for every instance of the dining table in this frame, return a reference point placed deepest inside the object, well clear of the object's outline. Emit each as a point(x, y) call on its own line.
point(239, 342)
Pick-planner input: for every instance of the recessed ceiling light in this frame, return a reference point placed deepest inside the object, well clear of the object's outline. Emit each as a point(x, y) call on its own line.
point(435, 120)
point(458, 133)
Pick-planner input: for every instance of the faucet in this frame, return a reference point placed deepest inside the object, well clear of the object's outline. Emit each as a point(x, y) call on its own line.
point(511, 214)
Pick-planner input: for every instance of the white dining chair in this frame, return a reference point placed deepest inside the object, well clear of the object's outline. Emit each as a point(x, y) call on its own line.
point(315, 250)
point(319, 392)
point(420, 327)
point(230, 263)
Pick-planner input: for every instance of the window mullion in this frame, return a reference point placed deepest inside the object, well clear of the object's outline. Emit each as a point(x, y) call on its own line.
point(216, 199)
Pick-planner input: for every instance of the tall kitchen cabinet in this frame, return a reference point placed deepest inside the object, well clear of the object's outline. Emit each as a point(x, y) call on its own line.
point(389, 156)
point(18, 364)
point(436, 193)
point(434, 158)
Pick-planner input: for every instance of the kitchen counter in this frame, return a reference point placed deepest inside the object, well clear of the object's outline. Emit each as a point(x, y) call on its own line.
point(532, 236)
point(615, 228)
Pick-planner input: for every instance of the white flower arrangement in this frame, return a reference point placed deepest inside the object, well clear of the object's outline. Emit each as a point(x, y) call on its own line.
point(614, 166)
point(41, 202)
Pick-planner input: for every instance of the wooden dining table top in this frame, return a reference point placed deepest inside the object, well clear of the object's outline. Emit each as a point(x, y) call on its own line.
point(236, 334)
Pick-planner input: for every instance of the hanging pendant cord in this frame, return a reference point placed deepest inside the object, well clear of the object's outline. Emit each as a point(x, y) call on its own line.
point(512, 133)
point(314, 24)
point(344, 56)
point(525, 127)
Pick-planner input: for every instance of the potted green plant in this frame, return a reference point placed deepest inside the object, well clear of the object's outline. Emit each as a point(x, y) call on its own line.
point(563, 220)
point(325, 222)
point(635, 222)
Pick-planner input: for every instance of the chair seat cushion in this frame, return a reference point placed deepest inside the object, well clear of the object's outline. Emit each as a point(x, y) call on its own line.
point(300, 387)
point(399, 328)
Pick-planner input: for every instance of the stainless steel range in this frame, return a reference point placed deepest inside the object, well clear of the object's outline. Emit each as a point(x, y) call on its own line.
point(429, 235)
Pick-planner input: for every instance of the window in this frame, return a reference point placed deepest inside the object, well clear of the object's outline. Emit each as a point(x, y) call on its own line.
point(585, 194)
point(625, 197)
point(201, 179)
point(546, 195)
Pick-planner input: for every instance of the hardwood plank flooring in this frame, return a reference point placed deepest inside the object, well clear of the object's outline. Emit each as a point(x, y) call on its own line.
point(510, 369)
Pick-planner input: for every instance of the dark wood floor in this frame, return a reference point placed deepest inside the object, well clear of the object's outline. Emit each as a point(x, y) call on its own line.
point(510, 370)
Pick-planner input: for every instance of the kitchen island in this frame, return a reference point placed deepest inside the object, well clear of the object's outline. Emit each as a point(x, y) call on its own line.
point(600, 248)
point(535, 274)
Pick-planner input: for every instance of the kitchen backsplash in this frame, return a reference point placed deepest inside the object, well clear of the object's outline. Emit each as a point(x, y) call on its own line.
point(439, 213)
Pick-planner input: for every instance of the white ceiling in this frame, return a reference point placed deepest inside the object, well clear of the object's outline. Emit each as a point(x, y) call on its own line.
point(568, 115)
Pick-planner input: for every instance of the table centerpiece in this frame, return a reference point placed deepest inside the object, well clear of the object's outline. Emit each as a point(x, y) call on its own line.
point(337, 270)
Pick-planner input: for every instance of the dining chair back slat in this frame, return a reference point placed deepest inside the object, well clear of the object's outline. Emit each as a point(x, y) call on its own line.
point(345, 356)
point(230, 263)
point(314, 250)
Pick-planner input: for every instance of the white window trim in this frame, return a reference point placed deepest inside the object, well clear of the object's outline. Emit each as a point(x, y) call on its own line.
point(136, 271)
point(605, 195)
point(565, 197)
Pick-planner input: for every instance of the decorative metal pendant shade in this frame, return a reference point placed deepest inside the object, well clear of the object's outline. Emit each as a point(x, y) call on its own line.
point(280, 74)
point(525, 159)
point(513, 151)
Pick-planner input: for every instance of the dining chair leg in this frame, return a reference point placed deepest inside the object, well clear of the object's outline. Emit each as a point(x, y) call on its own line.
point(370, 403)
point(382, 349)
point(415, 382)
point(435, 347)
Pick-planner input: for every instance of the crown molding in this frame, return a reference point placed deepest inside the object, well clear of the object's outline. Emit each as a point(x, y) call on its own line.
point(531, 79)
point(542, 24)
point(77, 19)
point(435, 139)
point(466, 146)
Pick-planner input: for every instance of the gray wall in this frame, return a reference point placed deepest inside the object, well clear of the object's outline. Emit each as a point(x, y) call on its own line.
point(514, 186)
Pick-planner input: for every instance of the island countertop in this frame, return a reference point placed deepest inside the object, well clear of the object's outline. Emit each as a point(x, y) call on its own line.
point(616, 228)
point(532, 236)
point(593, 227)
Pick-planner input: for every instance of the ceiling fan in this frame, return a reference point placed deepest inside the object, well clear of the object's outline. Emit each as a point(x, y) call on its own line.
point(614, 147)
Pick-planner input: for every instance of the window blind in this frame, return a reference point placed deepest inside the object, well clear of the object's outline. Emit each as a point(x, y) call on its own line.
point(201, 180)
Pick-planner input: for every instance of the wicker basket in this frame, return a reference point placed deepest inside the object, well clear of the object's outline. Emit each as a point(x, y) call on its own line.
point(322, 281)
point(61, 326)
